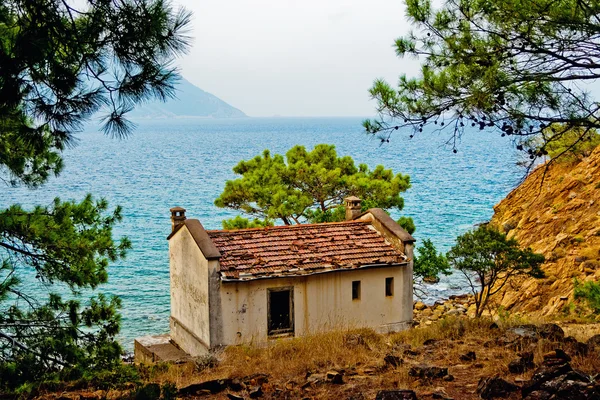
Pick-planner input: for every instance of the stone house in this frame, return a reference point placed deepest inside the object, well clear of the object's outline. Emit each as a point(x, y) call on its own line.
point(252, 285)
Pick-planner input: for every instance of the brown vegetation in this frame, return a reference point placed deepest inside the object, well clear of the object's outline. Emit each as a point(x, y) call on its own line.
point(366, 362)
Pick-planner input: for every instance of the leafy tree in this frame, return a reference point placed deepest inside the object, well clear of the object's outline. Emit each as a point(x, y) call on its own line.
point(488, 260)
point(59, 64)
point(429, 264)
point(502, 65)
point(307, 187)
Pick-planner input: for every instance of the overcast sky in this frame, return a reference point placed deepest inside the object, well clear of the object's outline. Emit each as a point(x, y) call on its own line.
point(295, 58)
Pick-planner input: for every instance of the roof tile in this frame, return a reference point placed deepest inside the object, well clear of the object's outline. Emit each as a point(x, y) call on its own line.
point(301, 249)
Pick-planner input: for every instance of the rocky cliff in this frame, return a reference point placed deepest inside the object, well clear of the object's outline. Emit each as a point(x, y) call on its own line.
point(555, 211)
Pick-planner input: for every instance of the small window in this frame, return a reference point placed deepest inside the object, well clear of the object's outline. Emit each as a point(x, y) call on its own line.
point(389, 287)
point(280, 311)
point(355, 290)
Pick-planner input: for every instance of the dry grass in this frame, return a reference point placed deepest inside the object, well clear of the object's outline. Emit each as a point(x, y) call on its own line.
point(359, 355)
point(289, 361)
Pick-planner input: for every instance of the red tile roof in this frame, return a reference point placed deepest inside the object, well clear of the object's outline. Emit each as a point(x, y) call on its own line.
point(301, 249)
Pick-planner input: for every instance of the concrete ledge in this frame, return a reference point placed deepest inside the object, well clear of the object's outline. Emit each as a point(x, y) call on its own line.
point(153, 349)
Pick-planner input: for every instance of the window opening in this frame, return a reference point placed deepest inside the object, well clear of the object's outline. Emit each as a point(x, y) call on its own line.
point(280, 311)
point(355, 290)
point(389, 287)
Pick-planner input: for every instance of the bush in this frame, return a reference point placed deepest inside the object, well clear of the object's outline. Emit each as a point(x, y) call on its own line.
point(590, 293)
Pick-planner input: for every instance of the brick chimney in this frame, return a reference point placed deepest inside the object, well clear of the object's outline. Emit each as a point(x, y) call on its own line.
point(177, 217)
point(352, 207)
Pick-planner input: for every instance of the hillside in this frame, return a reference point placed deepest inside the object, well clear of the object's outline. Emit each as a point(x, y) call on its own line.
point(191, 101)
point(558, 216)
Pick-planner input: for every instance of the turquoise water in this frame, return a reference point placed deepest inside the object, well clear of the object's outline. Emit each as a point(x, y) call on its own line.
point(186, 163)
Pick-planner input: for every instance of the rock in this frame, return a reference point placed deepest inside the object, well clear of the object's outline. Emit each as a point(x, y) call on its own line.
point(470, 356)
point(212, 387)
point(494, 387)
point(440, 393)
point(315, 378)
point(232, 396)
point(576, 347)
point(556, 357)
point(522, 364)
point(456, 311)
point(411, 352)
point(335, 377)
point(396, 395)
point(393, 361)
point(544, 374)
point(427, 371)
point(256, 392)
point(538, 395)
point(419, 306)
point(551, 332)
point(594, 341)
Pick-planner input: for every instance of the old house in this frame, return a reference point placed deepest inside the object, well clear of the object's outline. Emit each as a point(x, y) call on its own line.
point(252, 285)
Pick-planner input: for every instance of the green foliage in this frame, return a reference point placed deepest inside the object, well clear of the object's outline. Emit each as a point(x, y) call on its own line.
point(590, 292)
point(488, 259)
point(68, 246)
point(244, 223)
point(570, 145)
point(408, 224)
point(429, 264)
point(503, 65)
point(61, 63)
point(307, 187)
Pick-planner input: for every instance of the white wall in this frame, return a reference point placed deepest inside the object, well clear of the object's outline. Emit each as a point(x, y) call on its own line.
point(190, 327)
point(321, 302)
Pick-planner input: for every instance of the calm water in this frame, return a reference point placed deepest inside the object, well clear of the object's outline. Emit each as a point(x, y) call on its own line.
point(186, 163)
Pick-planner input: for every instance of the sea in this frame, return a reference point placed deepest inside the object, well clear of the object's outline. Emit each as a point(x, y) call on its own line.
point(186, 162)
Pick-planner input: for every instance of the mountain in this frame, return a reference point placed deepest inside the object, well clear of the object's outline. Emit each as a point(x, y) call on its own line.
point(556, 212)
point(190, 101)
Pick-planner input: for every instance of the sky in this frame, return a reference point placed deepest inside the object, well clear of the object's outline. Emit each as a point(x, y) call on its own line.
point(295, 58)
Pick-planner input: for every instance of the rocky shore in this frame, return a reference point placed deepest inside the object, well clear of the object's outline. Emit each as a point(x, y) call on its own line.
point(460, 305)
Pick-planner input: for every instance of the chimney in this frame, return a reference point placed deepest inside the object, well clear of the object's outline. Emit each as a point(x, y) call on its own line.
point(352, 207)
point(177, 217)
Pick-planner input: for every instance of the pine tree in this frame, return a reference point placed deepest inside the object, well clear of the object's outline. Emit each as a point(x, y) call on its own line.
point(508, 66)
point(60, 63)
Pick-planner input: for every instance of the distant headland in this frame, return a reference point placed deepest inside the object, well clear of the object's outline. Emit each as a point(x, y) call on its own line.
point(190, 101)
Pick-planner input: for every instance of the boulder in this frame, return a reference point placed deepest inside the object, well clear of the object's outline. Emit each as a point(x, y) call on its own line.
point(521, 364)
point(470, 356)
point(396, 395)
point(544, 374)
point(594, 341)
point(392, 360)
point(495, 387)
point(419, 305)
point(427, 371)
point(335, 377)
point(255, 392)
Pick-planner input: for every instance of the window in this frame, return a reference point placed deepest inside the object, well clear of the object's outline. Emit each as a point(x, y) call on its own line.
point(280, 310)
point(355, 290)
point(389, 287)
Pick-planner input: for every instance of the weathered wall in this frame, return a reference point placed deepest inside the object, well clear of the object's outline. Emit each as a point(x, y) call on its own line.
point(321, 302)
point(189, 294)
